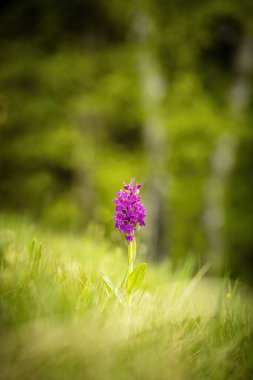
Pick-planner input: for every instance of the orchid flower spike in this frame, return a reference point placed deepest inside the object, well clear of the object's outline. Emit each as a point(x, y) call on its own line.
point(129, 211)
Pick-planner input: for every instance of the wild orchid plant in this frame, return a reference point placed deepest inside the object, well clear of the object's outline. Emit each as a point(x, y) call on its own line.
point(129, 217)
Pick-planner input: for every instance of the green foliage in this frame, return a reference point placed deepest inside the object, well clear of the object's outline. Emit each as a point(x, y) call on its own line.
point(132, 279)
point(72, 125)
point(240, 211)
point(136, 277)
point(58, 321)
point(113, 289)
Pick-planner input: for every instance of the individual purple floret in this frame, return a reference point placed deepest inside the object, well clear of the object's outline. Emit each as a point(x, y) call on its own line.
point(129, 211)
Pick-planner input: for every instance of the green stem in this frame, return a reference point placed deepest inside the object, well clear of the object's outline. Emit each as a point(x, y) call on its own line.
point(131, 255)
point(131, 258)
point(134, 249)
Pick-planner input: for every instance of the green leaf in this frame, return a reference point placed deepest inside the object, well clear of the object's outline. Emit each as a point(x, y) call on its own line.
point(135, 278)
point(35, 255)
point(113, 289)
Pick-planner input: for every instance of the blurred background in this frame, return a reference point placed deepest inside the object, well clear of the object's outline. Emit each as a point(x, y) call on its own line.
point(93, 93)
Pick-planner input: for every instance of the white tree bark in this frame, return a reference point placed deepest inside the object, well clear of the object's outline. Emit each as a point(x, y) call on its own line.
point(224, 155)
point(153, 90)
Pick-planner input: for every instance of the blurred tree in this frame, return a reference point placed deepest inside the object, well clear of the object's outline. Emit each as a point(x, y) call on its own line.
point(153, 90)
point(224, 154)
point(83, 116)
point(239, 238)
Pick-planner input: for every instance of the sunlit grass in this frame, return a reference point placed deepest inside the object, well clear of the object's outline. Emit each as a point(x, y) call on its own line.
point(58, 321)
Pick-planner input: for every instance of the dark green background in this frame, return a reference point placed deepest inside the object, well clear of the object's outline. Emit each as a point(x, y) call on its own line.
point(73, 119)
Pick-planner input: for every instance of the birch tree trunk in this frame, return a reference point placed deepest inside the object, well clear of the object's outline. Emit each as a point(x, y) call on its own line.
point(153, 90)
point(224, 155)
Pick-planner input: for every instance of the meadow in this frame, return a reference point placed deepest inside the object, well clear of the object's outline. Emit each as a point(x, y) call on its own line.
point(59, 321)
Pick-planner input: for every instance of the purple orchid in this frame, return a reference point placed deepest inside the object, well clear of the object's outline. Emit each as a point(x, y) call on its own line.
point(129, 211)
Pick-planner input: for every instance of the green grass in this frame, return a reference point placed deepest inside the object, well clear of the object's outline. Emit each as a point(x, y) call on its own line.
point(58, 321)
